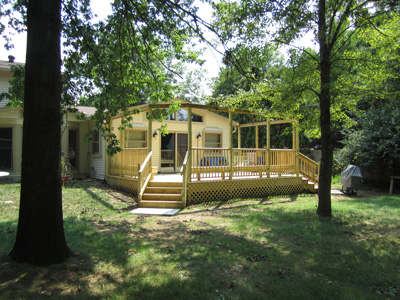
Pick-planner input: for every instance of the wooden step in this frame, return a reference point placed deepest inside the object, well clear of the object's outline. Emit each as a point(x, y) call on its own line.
point(163, 190)
point(309, 186)
point(161, 204)
point(164, 184)
point(165, 197)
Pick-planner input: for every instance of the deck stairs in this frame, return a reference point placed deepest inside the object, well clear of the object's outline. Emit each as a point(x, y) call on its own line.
point(162, 195)
point(309, 186)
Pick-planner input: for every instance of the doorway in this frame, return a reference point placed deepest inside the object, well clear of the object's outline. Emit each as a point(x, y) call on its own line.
point(173, 151)
point(6, 149)
point(73, 148)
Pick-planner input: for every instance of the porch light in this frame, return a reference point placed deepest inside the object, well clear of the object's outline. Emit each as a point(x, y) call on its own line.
point(198, 136)
point(155, 134)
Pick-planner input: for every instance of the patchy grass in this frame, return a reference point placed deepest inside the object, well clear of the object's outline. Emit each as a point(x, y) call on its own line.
point(240, 249)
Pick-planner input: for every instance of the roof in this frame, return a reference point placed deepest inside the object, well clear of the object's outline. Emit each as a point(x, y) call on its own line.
point(6, 65)
point(87, 110)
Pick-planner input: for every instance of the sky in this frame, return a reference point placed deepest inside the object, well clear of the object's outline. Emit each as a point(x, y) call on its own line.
point(102, 8)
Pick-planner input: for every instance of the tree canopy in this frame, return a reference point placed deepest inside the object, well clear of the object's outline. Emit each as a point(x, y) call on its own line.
point(313, 78)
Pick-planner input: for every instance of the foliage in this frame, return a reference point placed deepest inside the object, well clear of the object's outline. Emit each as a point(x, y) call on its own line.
point(374, 143)
point(188, 81)
point(244, 67)
point(313, 78)
point(15, 92)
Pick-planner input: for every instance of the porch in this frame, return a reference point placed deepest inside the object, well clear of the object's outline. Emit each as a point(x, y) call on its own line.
point(253, 173)
point(211, 173)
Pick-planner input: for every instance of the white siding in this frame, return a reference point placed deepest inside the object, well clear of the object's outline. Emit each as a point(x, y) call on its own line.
point(97, 162)
point(5, 76)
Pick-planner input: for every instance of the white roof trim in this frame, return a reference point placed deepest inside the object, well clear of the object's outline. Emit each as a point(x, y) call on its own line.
point(212, 129)
point(138, 125)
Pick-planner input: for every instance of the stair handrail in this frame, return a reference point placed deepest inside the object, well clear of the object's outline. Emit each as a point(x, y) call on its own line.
point(144, 175)
point(184, 173)
point(309, 168)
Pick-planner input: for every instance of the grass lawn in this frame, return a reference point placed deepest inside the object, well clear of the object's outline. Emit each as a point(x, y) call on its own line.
point(275, 248)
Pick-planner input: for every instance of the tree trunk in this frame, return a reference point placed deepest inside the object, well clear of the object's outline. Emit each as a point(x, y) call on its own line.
point(325, 173)
point(40, 237)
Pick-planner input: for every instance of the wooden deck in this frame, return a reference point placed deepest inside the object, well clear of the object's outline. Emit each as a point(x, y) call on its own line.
point(216, 174)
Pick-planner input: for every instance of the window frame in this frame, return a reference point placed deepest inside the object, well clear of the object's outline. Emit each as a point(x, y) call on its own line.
point(96, 141)
point(208, 133)
point(128, 132)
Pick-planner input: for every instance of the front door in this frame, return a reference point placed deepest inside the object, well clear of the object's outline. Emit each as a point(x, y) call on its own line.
point(182, 145)
point(73, 148)
point(168, 153)
point(173, 151)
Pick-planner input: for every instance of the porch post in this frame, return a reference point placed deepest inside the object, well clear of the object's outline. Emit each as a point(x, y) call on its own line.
point(230, 146)
point(257, 137)
point(295, 146)
point(149, 131)
point(239, 138)
point(122, 136)
point(108, 157)
point(298, 150)
point(189, 163)
point(268, 158)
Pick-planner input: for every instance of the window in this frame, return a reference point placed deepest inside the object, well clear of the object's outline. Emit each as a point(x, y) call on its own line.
point(197, 118)
point(170, 117)
point(5, 148)
point(135, 139)
point(182, 115)
point(213, 140)
point(96, 143)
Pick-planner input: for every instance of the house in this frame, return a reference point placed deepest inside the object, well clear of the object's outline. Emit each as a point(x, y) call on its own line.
point(197, 151)
point(86, 159)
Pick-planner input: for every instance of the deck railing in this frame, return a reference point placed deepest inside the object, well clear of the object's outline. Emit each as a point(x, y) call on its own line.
point(250, 162)
point(210, 163)
point(144, 175)
point(215, 162)
point(125, 163)
point(309, 168)
point(283, 161)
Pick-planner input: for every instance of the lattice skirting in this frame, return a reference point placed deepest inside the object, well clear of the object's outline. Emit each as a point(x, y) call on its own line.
point(203, 191)
point(126, 184)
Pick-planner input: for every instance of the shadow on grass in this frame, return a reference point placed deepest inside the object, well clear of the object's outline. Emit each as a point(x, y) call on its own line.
point(268, 254)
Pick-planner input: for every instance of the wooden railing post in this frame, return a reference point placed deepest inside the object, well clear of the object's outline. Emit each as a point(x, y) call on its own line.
point(139, 185)
point(230, 146)
point(122, 136)
point(268, 158)
point(150, 131)
point(190, 143)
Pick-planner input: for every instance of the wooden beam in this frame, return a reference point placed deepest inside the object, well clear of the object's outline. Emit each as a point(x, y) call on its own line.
point(239, 138)
point(268, 158)
point(256, 136)
point(275, 122)
point(189, 163)
point(122, 136)
point(230, 146)
point(150, 131)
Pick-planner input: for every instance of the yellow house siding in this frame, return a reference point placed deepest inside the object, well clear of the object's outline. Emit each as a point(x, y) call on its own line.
point(211, 123)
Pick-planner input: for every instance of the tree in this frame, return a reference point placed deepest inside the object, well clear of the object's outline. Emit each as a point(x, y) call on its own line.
point(333, 23)
point(40, 236)
point(113, 63)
